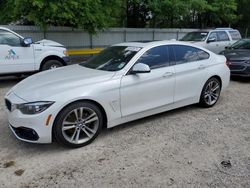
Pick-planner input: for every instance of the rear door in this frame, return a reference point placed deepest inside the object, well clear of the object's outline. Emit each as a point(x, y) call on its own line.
point(190, 71)
point(13, 56)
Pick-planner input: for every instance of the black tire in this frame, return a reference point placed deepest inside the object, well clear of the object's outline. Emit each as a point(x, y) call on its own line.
point(207, 93)
point(67, 113)
point(51, 64)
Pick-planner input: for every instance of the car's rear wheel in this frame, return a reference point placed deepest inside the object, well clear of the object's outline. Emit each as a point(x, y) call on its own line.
point(210, 93)
point(51, 64)
point(78, 124)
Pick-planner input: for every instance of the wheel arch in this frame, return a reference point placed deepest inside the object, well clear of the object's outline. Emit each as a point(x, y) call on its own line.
point(214, 76)
point(51, 57)
point(217, 77)
point(105, 120)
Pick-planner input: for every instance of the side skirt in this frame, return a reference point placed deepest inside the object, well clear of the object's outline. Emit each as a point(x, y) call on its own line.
point(152, 112)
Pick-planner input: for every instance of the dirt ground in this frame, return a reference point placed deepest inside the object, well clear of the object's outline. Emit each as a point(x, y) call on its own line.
point(180, 148)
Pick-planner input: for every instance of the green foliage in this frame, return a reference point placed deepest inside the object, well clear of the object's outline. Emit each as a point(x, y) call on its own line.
point(5, 9)
point(93, 15)
point(87, 14)
point(243, 13)
point(192, 13)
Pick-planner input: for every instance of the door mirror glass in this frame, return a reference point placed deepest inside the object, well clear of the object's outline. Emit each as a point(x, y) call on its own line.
point(27, 41)
point(140, 68)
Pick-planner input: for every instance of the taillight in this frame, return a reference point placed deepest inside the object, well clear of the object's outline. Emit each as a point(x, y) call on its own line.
point(227, 62)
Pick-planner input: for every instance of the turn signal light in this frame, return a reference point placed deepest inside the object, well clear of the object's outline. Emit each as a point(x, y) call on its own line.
point(48, 120)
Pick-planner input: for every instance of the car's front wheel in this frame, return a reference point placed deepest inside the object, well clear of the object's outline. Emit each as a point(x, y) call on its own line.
point(210, 92)
point(78, 124)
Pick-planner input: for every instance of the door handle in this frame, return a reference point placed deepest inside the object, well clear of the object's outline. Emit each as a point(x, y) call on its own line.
point(168, 74)
point(202, 67)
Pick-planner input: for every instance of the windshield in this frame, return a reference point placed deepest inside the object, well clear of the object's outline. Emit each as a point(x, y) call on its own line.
point(242, 44)
point(195, 36)
point(112, 59)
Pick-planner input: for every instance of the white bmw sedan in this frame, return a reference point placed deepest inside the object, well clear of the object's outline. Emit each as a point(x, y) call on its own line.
point(124, 82)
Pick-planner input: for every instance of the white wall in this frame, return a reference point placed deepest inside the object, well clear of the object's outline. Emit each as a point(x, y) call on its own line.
point(77, 38)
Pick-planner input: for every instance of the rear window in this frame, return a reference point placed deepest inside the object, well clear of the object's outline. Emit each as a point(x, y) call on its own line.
point(185, 54)
point(235, 35)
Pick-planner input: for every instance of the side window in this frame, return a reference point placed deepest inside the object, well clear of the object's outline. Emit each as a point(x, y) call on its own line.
point(235, 35)
point(202, 54)
point(185, 54)
point(155, 57)
point(171, 55)
point(222, 36)
point(9, 38)
point(213, 35)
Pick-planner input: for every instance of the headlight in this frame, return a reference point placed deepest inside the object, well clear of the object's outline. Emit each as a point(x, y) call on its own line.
point(66, 53)
point(34, 107)
point(248, 62)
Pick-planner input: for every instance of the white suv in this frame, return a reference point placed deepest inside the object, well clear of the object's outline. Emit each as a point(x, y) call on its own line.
point(21, 55)
point(214, 40)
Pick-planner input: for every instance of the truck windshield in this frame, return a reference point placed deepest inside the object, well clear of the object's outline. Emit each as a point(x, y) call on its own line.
point(112, 58)
point(195, 36)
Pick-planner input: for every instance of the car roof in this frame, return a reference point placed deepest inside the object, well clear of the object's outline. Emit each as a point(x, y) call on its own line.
point(215, 29)
point(154, 43)
point(4, 28)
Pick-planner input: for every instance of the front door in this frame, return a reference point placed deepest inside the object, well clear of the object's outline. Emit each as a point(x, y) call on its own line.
point(14, 57)
point(146, 91)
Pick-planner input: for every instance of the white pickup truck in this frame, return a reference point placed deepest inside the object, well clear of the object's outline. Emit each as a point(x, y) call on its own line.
point(20, 55)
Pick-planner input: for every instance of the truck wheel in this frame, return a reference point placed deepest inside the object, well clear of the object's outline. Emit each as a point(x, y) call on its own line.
point(51, 64)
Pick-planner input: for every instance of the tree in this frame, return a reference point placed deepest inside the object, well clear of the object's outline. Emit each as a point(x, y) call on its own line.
point(192, 13)
point(168, 13)
point(243, 11)
point(137, 13)
point(6, 8)
point(93, 15)
point(87, 14)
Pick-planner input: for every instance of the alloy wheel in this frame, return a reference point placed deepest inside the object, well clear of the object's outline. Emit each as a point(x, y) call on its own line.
point(80, 125)
point(212, 92)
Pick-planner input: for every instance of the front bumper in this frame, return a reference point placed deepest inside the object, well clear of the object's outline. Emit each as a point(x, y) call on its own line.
point(66, 60)
point(31, 128)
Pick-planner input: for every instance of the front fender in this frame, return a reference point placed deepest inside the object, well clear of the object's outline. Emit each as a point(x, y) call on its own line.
point(41, 55)
point(105, 94)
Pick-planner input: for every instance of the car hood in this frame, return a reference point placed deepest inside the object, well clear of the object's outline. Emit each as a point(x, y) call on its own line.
point(49, 83)
point(45, 42)
point(236, 54)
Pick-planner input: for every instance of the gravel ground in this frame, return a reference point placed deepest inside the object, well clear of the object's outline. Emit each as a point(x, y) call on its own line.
point(180, 148)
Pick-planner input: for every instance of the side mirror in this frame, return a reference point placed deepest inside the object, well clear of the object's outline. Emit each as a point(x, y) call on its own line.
point(140, 68)
point(227, 47)
point(27, 41)
point(211, 40)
